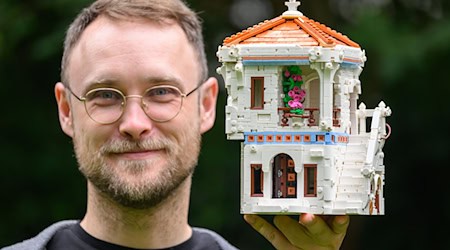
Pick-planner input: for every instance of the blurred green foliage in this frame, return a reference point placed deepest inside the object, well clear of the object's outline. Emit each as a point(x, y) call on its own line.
point(408, 48)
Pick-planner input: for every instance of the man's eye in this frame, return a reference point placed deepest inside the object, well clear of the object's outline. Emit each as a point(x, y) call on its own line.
point(160, 91)
point(161, 94)
point(107, 95)
point(104, 97)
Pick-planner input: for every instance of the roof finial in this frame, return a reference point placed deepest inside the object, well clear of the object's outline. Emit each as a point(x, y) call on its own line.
point(292, 11)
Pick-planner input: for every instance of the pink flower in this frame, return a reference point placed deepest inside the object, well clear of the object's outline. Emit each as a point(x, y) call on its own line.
point(302, 93)
point(296, 89)
point(297, 78)
point(287, 73)
point(291, 93)
point(295, 104)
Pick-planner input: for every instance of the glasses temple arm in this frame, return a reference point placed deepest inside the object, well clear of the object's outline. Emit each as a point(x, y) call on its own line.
point(79, 98)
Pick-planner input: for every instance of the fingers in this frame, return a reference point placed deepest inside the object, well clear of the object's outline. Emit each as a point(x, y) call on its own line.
point(310, 232)
point(330, 232)
point(316, 227)
point(275, 237)
point(340, 224)
point(313, 231)
point(325, 226)
point(295, 232)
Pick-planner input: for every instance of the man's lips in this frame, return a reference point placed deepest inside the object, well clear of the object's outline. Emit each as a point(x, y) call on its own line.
point(138, 154)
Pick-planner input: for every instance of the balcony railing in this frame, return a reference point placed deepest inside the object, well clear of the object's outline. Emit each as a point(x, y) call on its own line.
point(309, 116)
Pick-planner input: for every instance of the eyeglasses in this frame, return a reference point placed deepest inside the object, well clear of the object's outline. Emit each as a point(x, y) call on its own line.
point(160, 103)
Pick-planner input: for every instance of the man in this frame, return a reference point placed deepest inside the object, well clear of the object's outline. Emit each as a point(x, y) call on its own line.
point(135, 99)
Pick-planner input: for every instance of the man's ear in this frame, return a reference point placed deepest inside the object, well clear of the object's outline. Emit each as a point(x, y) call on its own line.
point(64, 110)
point(208, 101)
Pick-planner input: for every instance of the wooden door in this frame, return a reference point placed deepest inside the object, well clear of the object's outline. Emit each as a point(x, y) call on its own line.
point(284, 177)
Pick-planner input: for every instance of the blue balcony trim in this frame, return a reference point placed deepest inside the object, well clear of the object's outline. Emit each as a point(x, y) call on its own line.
point(274, 62)
point(313, 138)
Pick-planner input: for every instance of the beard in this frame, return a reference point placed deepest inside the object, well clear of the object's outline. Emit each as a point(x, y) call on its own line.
point(140, 184)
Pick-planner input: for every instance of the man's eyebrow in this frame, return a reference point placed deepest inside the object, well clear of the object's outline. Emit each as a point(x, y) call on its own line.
point(167, 80)
point(100, 83)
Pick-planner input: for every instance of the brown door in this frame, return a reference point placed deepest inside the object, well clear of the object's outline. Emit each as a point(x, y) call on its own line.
point(284, 177)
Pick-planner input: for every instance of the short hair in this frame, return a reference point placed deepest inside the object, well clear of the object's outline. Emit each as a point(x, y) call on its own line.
point(154, 10)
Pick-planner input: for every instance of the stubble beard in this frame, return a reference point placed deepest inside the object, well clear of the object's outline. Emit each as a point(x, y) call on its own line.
point(180, 159)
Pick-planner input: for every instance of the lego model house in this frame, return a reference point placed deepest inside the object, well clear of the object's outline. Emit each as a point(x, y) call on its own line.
point(308, 147)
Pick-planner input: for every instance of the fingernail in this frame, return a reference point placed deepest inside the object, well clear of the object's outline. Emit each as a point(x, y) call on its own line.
point(341, 219)
point(249, 218)
point(307, 218)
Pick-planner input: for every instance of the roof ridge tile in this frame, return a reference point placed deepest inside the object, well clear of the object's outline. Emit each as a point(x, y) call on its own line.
point(260, 33)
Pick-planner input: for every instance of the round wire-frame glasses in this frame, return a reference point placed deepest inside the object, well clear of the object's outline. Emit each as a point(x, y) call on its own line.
point(160, 103)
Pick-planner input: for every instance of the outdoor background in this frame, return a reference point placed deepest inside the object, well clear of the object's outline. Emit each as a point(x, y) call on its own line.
point(408, 49)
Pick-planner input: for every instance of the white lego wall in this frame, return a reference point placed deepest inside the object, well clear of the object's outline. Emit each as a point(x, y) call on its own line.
point(340, 189)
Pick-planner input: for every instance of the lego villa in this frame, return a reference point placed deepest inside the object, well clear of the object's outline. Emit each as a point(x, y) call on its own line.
point(308, 145)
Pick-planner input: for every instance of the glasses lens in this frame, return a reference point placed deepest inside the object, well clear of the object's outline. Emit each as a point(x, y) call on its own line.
point(162, 103)
point(104, 105)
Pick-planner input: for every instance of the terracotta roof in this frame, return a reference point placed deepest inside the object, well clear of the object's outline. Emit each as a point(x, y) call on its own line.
point(284, 30)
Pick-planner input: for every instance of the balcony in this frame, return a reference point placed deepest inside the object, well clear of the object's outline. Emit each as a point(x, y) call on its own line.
point(310, 117)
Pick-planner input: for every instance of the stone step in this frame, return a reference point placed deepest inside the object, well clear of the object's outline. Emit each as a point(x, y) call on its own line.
point(351, 172)
point(352, 164)
point(355, 148)
point(358, 139)
point(355, 156)
point(351, 189)
point(348, 203)
point(352, 180)
point(350, 196)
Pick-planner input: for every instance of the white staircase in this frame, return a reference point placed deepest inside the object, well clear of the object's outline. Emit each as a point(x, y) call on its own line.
point(352, 185)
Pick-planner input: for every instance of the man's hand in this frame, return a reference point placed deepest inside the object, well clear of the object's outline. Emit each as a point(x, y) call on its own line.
point(311, 232)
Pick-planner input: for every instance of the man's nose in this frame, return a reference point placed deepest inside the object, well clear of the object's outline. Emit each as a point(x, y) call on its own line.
point(134, 122)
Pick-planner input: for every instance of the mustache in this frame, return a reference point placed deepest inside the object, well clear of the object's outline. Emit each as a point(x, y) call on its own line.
point(123, 146)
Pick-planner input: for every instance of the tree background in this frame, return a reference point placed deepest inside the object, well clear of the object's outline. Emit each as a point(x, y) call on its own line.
point(408, 49)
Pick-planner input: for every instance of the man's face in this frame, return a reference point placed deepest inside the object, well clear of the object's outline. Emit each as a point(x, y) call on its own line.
point(135, 161)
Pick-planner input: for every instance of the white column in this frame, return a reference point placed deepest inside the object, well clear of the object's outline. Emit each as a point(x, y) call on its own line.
point(326, 71)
